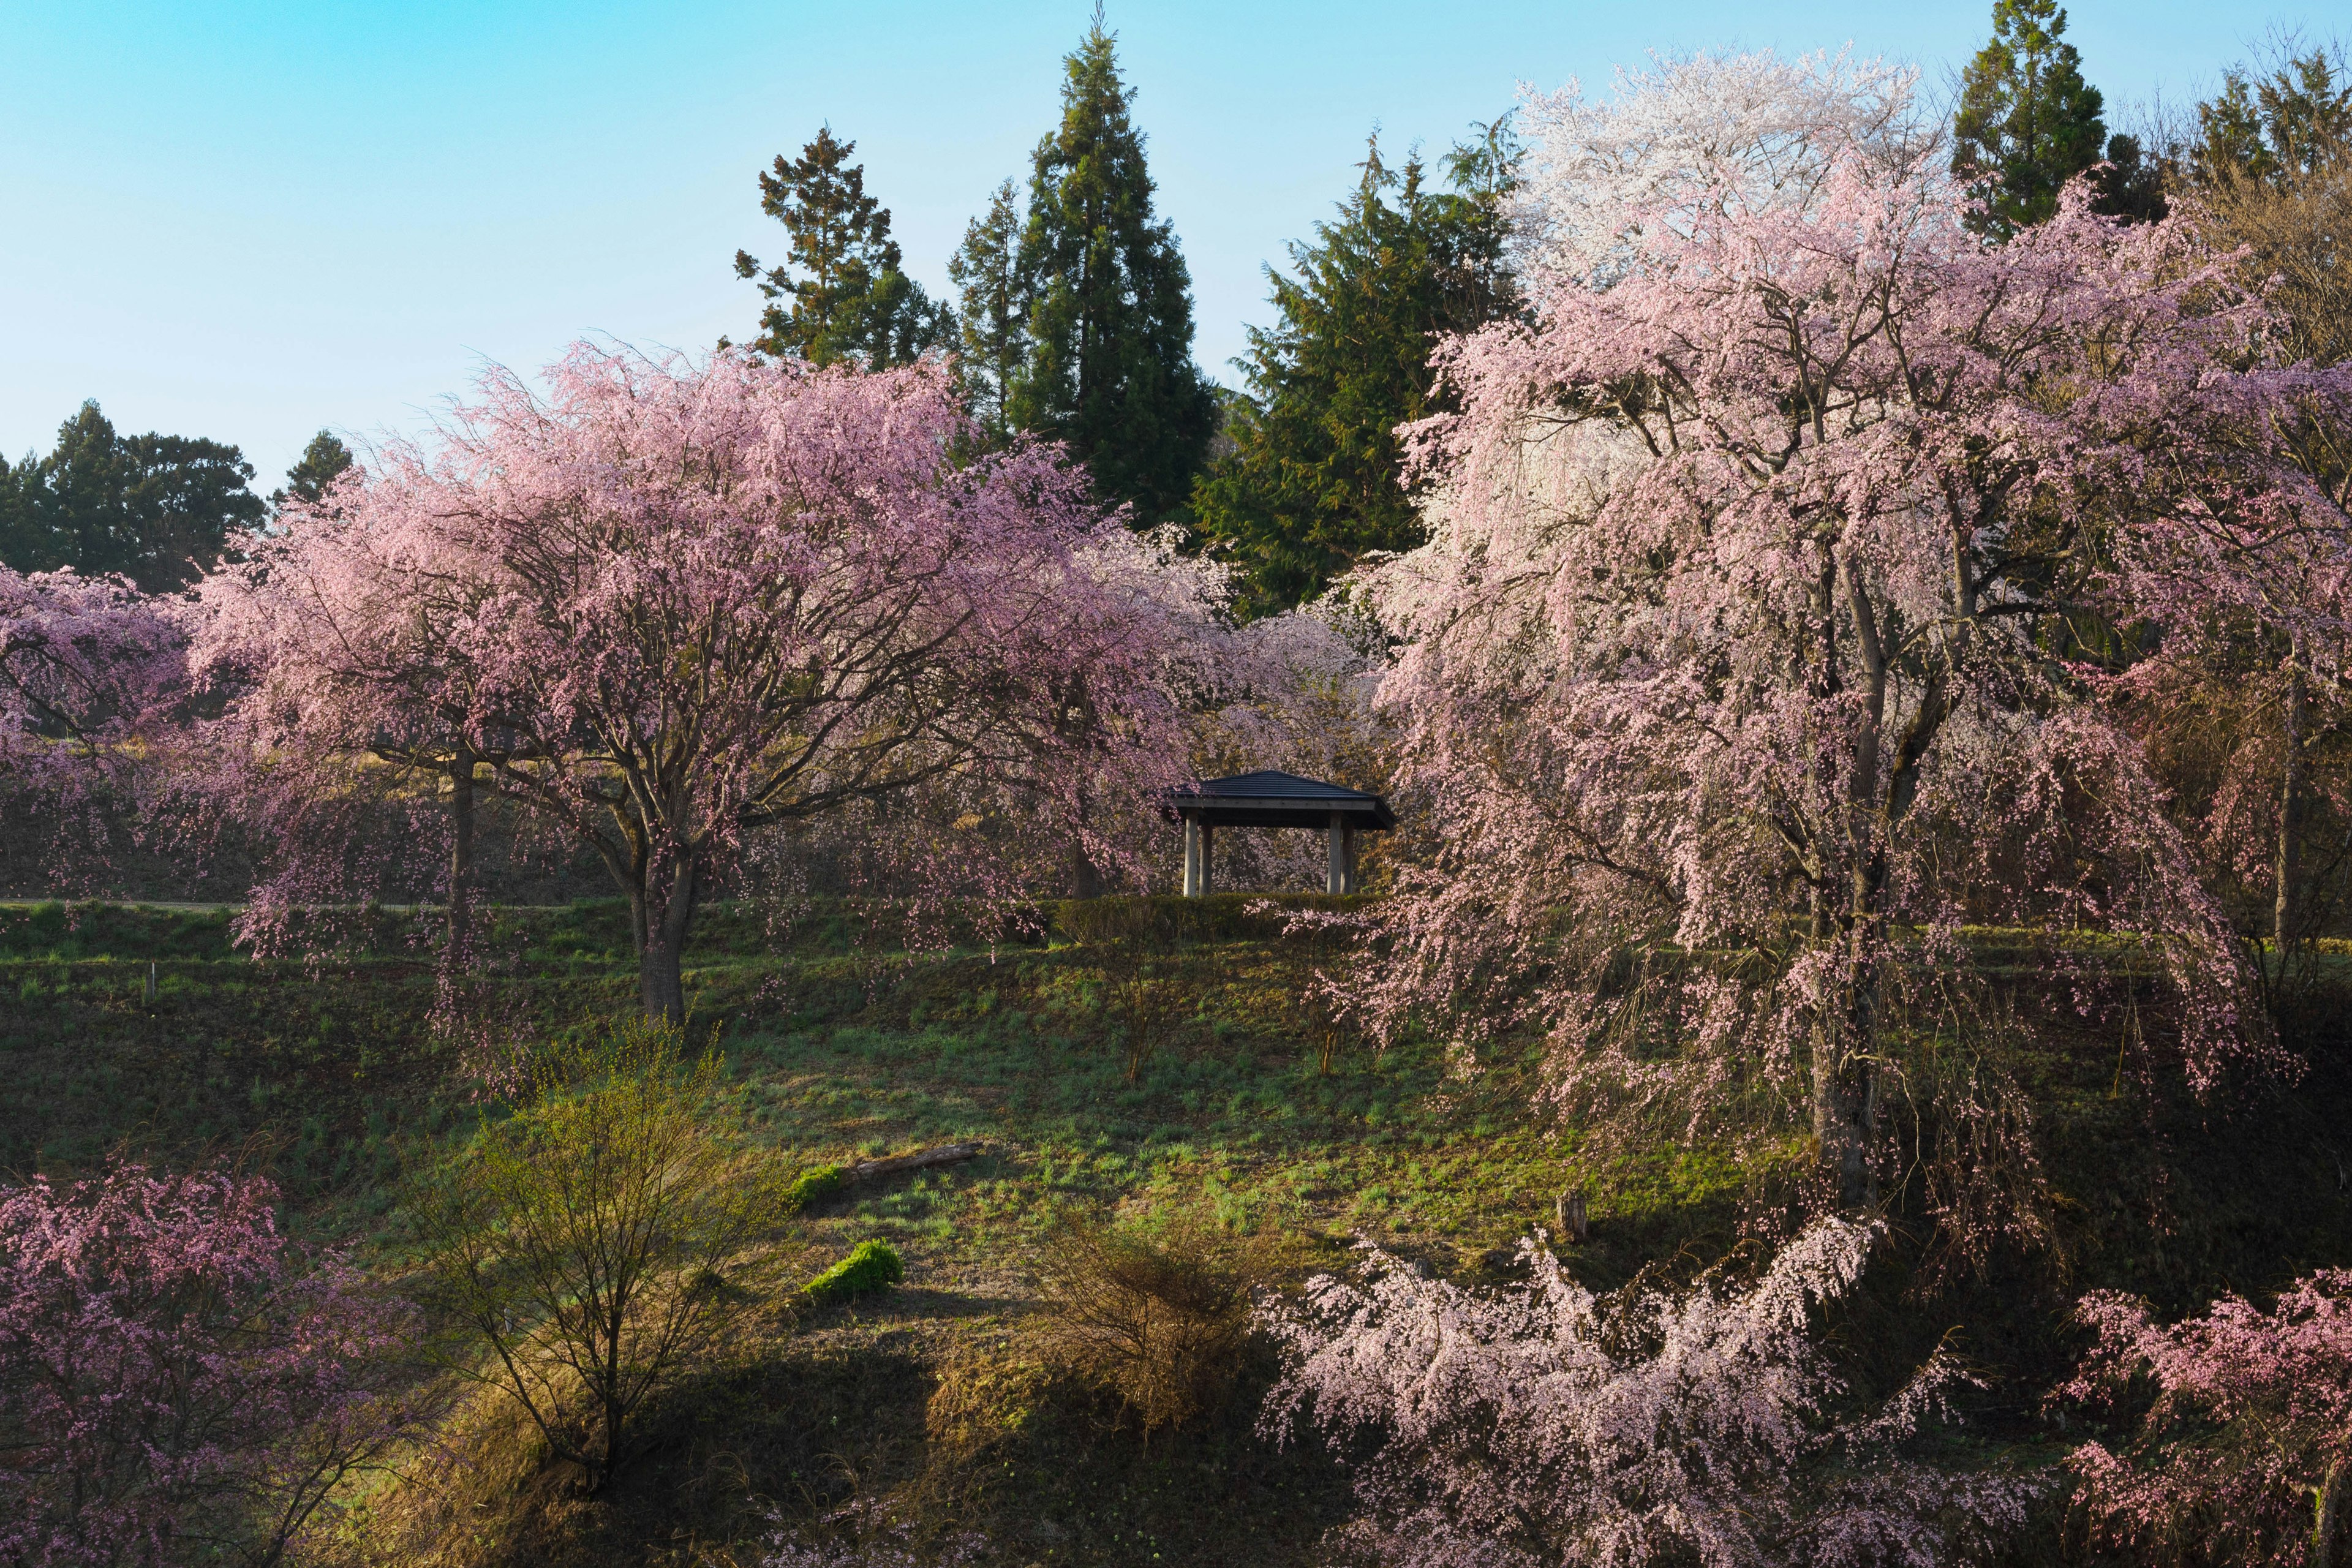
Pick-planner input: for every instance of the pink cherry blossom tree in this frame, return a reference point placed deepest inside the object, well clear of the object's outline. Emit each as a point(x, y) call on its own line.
point(173, 1382)
point(1757, 646)
point(1542, 1425)
point(83, 661)
point(338, 638)
point(2244, 1453)
point(733, 595)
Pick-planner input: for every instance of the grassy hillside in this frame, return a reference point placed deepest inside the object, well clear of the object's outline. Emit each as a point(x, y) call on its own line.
point(936, 1394)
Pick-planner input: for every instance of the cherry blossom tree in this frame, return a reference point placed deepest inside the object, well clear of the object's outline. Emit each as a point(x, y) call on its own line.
point(175, 1384)
point(2245, 1454)
point(1544, 1425)
point(83, 660)
point(339, 639)
point(1757, 646)
point(734, 595)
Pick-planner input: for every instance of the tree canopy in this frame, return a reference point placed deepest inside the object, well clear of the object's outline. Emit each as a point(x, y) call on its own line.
point(1310, 484)
point(2027, 121)
point(156, 509)
point(323, 461)
point(1109, 369)
point(842, 292)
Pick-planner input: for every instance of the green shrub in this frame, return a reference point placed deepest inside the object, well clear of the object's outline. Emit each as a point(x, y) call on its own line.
point(812, 1184)
point(871, 1265)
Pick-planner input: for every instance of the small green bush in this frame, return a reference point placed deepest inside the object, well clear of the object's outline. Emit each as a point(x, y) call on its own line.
point(871, 1265)
point(810, 1185)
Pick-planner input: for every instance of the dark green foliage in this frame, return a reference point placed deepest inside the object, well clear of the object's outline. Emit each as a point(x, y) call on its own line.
point(324, 459)
point(2294, 120)
point(2131, 183)
point(849, 298)
point(993, 318)
point(1311, 483)
point(2027, 122)
point(1109, 368)
point(156, 509)
point(871, 1265)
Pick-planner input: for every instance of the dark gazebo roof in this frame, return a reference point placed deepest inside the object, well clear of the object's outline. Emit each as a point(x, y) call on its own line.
point(1269, 798)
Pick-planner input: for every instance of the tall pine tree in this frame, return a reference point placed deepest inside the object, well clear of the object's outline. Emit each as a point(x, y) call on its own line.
point(1311, 485)
point(1109, 368)
point(843, 293)
point(2027, 122)
point(993, 314)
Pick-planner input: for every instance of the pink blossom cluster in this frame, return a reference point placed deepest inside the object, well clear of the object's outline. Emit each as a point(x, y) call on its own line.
point(1541, 1426)
point(83, 662)
point(2244, 1453)
point(173, 1379)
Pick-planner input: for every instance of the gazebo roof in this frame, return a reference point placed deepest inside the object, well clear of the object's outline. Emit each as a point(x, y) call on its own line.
point(1270, 798)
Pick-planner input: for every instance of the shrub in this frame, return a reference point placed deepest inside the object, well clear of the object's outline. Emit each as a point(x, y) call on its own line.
point(596, 1238)
point(1159, 1316)
point(810, 1185)
point(871, 1265)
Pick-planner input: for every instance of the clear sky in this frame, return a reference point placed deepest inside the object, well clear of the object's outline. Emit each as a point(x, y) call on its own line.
point(248, 221)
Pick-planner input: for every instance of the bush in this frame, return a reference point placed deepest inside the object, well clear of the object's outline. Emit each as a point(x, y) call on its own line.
point(1158, 1315)
point(812, 1184)
point(597, 1238)
point(871, 1265)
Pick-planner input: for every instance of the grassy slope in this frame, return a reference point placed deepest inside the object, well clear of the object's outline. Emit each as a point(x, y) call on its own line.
point(329, 1072)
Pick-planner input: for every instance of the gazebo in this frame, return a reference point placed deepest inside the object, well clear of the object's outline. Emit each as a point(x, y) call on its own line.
point(1269, 798)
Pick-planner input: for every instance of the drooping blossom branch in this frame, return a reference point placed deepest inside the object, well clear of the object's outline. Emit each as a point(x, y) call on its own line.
point(83, 662)
point(2244, 1453)
point(1542, 1425)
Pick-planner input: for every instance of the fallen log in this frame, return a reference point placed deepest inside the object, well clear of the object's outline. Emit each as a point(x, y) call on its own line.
point(897, 1164)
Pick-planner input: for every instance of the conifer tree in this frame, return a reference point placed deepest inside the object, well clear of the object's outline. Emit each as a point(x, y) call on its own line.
point(1109, 368)
point(321, 462)
point(849, 297)
point(993, 320)
point(154, 508)
point(2028, 122)
point(1310, 484)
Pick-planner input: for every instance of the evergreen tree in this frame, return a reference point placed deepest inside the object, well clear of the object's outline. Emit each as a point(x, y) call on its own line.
point(849, 297)
point(324, 458)
point(1310, 484)
point(2028, 122)
point(157, 509)
point(994, 319)
point(1109, 368)
point(2277, 126)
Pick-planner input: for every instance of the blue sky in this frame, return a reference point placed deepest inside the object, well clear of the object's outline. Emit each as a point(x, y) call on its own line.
point(249, 221)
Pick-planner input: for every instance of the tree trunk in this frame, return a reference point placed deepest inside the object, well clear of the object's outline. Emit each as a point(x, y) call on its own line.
point(2327, 1529)
point(661, 986)
point(1845, 1087)
point(461, 859)
point(2285, 931)
point(1086, 881)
